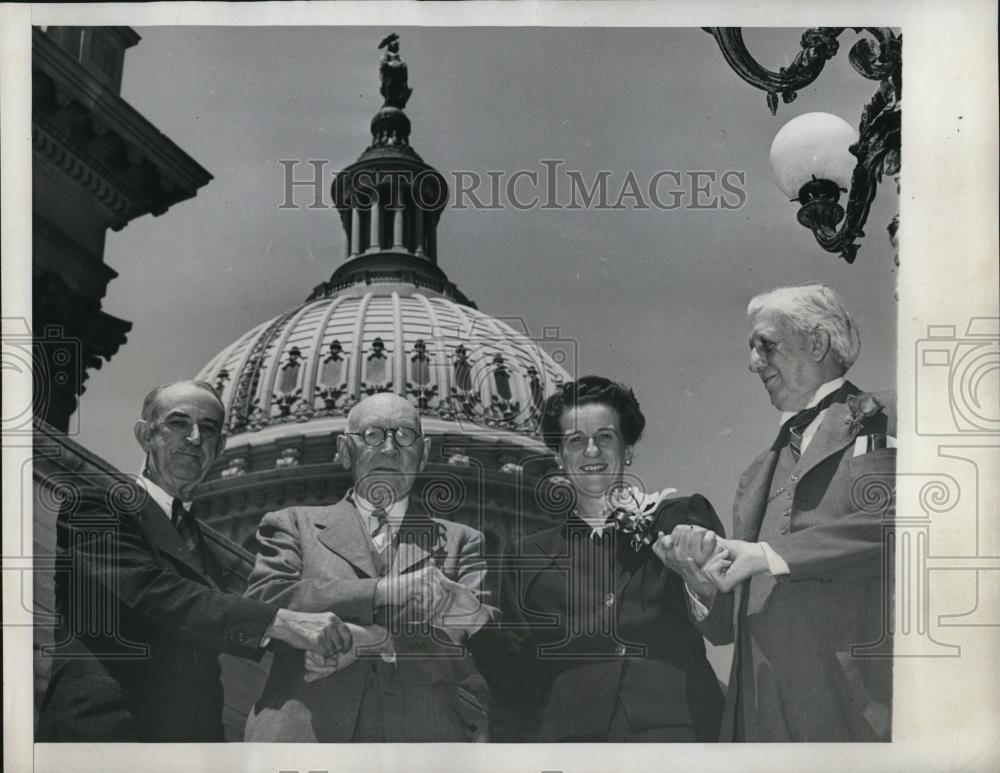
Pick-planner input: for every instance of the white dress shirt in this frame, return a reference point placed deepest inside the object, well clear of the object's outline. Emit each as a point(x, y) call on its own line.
point(775, 563)
point(161, 497)
point(394, 516)
point(598, 523)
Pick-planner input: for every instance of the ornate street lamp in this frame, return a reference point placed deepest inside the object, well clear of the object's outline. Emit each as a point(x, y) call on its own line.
point(816, 156)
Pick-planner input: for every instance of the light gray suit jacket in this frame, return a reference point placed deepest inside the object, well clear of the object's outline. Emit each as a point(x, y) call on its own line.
point(319, 559)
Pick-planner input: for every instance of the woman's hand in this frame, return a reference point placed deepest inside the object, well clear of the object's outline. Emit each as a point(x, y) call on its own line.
point(687, 551)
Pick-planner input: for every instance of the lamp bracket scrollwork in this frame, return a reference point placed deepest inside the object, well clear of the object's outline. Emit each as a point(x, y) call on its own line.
point(879, 58)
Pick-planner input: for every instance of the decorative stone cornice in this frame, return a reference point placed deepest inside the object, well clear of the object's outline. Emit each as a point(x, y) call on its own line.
point(102, 143)
point(364, 273)
point(117, 202)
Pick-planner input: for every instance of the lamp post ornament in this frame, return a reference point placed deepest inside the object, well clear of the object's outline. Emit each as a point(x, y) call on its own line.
point(877, 149)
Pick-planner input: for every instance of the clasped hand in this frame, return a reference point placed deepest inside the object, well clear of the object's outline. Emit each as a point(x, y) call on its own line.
point(708, 563)
point(365, 639)
point(416, 596)
point(426, 595)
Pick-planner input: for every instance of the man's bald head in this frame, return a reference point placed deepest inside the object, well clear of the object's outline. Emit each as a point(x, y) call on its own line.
point(383, 471)
point(383, 404)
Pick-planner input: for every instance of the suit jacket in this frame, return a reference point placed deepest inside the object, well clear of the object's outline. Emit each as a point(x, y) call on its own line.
point(142, 622)
point(579, 648)
point(797, 661)
point(320, 559)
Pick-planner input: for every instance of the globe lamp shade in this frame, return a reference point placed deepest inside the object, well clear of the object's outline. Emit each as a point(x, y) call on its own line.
point(813, 146)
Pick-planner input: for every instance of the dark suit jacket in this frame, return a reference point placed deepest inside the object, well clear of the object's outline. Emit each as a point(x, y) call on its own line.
point(581, 654)
point(803, 674)
point(141, 626)
point(320, 559)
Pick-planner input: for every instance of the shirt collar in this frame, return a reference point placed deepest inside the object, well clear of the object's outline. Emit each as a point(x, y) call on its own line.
point(395, 513)
point(161, 497)
point(592, 523)
point(823, 391)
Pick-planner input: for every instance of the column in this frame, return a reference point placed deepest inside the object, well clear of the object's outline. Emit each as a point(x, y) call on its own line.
point(418, 230)
point(375, 234)
point(355, 231)
point(397, 230)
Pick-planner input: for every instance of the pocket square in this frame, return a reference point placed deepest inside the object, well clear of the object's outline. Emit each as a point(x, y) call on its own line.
point(864, 444)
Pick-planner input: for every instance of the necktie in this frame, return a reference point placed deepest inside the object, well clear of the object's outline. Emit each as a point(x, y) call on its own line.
point(381, 523)
point(183, 521)
point(796, 426)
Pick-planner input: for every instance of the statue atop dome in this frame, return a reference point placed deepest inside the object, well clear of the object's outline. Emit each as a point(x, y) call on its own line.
point(392, 71)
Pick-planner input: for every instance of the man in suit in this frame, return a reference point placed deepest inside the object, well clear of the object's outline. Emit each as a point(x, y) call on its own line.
point(400, 576)
point(808, 569)
point(143, 611)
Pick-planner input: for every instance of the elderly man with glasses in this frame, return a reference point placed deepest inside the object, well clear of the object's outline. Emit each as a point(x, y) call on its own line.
point(410, 586)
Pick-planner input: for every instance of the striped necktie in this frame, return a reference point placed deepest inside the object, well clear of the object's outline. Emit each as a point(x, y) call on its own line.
point(797, 425)
point(381, 523)
point(183, 521)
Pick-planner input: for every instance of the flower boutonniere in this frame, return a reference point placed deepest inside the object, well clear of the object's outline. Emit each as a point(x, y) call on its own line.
point(633, 513)
point(862, 408)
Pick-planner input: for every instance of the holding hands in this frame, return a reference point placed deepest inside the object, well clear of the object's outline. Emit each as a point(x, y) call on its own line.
point(708, 563)
point(462, 612)
point(418, 595)
point(320, 632)
point(696, 554)
point(365, 639)
point(429, 595)
point(426, 595)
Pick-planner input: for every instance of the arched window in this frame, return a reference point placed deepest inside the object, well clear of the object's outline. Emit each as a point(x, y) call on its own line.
point(289, 377)
point(332, 371)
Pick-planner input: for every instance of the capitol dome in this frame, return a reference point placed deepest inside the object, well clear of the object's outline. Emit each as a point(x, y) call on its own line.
point(465, 371)
point(388, 320)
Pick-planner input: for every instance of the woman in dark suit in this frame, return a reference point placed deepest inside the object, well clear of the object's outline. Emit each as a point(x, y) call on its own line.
point(595, 634)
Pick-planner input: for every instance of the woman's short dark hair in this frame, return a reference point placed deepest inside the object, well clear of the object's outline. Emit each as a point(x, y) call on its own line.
point(587, 390)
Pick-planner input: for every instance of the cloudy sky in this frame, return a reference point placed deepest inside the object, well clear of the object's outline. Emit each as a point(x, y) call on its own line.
point(654, 297)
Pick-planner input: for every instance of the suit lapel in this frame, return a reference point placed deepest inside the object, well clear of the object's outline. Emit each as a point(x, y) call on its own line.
point(553, 548)
point(832, 435)
point(339, 529)
point(545, 553)
point(165, 538)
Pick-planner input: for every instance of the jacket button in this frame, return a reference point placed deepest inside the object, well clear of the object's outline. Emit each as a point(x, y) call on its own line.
point(620, 650)
point(787, 513)
point(794, 476)
point(783, 530)
point(241, 637)
point(609, 600)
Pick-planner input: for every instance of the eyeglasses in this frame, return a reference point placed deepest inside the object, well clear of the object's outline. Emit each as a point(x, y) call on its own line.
point(375, 436)
point(178, 425)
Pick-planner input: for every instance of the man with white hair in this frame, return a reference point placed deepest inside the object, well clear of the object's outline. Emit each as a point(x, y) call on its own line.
point(807, 570)
point(410, 585)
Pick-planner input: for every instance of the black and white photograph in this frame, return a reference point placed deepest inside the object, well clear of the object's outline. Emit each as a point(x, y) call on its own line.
point(390, 377)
